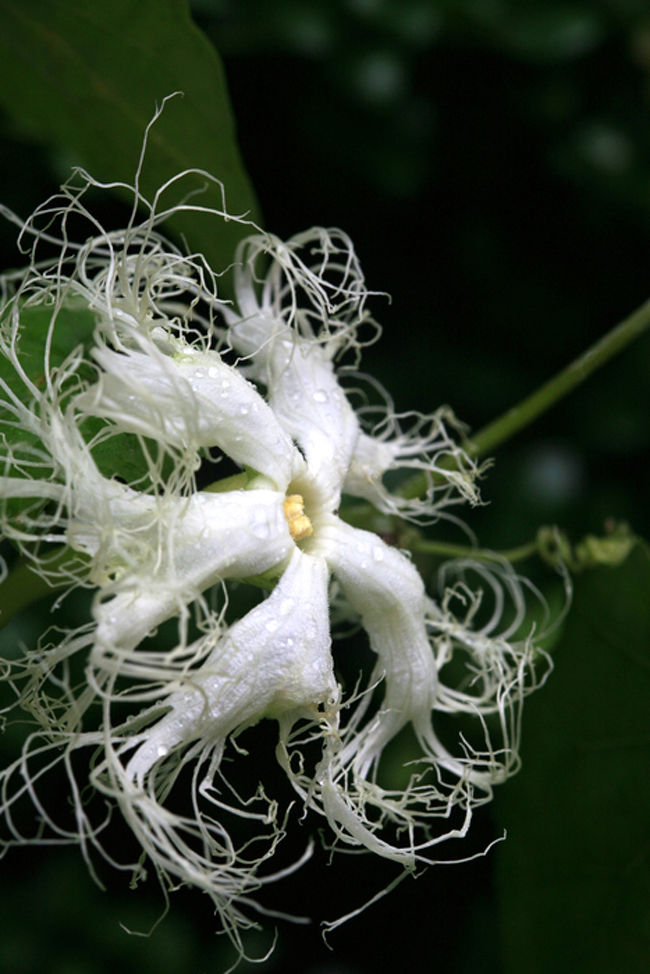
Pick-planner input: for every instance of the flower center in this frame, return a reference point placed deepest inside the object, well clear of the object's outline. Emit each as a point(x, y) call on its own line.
point(299, 524)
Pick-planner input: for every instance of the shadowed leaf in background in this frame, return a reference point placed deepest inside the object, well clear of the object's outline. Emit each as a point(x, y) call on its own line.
point(574, 873)
point(88, 77)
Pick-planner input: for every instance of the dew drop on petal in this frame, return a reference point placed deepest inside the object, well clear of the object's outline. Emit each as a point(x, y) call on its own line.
point(272, 625)
point(286, 606)
point(320, 396)
point(378, 554)
point(213, 372)
point(259, 524)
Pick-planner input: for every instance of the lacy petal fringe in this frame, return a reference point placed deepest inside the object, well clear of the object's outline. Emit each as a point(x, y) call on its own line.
point(186, 376)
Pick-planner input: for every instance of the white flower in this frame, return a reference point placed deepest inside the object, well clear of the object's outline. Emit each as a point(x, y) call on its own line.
point(183, 376)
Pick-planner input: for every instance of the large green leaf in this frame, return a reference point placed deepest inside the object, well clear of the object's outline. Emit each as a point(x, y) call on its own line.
point(574, 873)
point(86, 78)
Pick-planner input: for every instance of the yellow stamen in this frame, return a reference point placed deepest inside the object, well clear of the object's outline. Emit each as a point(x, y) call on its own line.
point(299, 523)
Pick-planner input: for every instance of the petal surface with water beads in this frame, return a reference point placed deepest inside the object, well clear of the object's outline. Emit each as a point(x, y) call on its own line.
point(383, 586)
point(275, 661)
point(193, 542)
point(310, 406)
point(192, 400)
point(291, 348)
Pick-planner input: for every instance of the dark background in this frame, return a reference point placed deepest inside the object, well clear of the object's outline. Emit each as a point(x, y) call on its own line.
point(491, 162)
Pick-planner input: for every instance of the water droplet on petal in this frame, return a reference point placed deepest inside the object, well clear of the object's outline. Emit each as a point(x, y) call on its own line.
point(320, 396)
point(213, 372)
point(259, 524)
point(378, 553)
point(286, 606)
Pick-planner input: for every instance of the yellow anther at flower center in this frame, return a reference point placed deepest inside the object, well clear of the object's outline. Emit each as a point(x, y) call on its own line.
point(299, 523)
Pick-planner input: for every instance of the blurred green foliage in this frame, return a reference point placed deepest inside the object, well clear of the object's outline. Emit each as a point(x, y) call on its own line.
point(492, 163)
point(574, 875)
point(85, 81)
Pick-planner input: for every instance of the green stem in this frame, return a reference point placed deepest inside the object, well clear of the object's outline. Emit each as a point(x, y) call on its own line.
point(529, 409)
point(525, 412)
point(550, 544)
point(427, 547)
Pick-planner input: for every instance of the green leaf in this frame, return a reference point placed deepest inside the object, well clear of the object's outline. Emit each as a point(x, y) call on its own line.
point(74, 327)
point(573, 874)
point(122, 454)
point(42, 347)
point(36, 356)
point(86, 78)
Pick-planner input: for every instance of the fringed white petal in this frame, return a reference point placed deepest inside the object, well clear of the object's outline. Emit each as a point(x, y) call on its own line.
point(407, 443)
point(275, 660)
point(290, 323)
point(311, 406)
point(500, 661)
point(189, 401)
point(385, 589)
point(193, 543)
point(348, 786)
point(312, 284)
